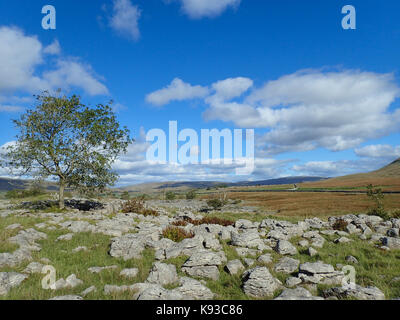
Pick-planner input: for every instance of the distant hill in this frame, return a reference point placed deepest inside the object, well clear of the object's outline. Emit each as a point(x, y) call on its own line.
point(7, 184)
point(387, 177)
point(186, 185)
point(11, 184)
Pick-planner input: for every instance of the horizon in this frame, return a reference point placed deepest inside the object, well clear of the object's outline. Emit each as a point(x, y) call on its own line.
point(323, 101)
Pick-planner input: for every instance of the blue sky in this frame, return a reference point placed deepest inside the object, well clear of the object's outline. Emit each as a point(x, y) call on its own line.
point(322, 100)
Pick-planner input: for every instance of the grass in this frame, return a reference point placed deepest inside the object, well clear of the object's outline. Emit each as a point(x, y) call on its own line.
point(306, 205)
point(375, 267)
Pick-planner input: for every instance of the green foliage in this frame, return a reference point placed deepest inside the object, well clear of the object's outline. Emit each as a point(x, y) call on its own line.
point(170, 195)
point(396, 214)
point(376, 195)
point(176, 234)
point(125, 195)
point(62, 138)
point(21, 194)
point(191, 195)
point(216, 204)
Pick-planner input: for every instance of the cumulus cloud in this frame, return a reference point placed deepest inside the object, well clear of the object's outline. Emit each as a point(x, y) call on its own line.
point(53, 48)
point(335, 168)
point(72, 73)
point(23, 69)
point(379, 151)
point(197, 9)
point(125, 19)
point(176, 91)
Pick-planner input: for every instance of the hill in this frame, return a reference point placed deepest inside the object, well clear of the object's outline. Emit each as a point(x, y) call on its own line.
point(186, 185)
point(387, 177)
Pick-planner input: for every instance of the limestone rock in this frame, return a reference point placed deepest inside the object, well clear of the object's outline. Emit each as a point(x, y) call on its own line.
point(259, 282)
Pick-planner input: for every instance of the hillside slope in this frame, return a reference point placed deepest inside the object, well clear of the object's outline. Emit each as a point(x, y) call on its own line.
point(387, 177)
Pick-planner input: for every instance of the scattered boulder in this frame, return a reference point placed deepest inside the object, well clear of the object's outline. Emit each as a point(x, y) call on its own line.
point(9, 280)
point(234, 267)
point(284, 247)
point(259, 283)
point(357, 292)
point(163, 274)
point(287, 265)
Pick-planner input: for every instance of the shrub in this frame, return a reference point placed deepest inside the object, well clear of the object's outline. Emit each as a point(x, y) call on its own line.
point(20, 194)
point(180, 223)
point(177, 234)
point(340, 225)
point(137, 206)
point(214, 220)
point(376, 195)
point(216, 204)
point(396, 214)
point(170, 195)
point(191, 195)
point(149, 212)
point(133, 205)
point(125, 195)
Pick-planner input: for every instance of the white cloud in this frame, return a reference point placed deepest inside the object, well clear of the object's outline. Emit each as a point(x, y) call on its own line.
point(176, 91)
point(379, 151)
point(231, 88)
point(333, 110)
point(7, 108)
point(19, 56)
point(197, 9)
point(125, 19)
point(71, 73)
point(334, 168)
point(54, 48)
point(23, 69)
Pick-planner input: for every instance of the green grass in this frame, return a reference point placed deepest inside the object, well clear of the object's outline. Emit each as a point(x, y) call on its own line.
point(376, 267)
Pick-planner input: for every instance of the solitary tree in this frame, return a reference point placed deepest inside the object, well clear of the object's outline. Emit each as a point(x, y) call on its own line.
point(65, 140)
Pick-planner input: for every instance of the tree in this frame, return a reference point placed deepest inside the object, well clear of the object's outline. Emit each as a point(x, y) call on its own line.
point(63, 139)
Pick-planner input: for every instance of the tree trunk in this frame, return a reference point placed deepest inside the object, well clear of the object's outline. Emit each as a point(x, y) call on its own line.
point(61, 195)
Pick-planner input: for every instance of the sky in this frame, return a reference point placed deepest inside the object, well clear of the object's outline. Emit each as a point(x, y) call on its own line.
point(323, 101)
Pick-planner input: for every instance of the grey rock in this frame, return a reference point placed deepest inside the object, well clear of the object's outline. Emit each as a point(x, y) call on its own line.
point(65, 237)
point(249, 262)
point(342, 240)
point(72, 281)
point(265, 258)
point(259, 282)
point(358, 292)
point(351, 259)
point(100, 269)
point(88, 291)
point(129, 273)
point(287, 265)
point(392, 243)
point(163, 274)
point(67, 298)
point(128, 247)
point(9, 280)
point(297, 294)
point(33, 267)
point(192, 289)
point(234, 266)
point(248, 239)
point(312, 252)
point(292, 282)
point(284, 247)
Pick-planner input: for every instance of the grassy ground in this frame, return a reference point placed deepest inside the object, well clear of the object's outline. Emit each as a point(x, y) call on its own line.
point(306, 205)
point(376, 267)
